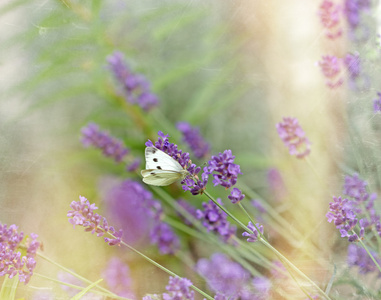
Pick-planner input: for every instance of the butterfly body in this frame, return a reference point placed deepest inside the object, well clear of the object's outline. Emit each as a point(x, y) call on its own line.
point(161, 169)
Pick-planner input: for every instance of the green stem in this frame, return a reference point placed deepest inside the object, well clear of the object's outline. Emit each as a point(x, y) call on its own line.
point(268, 245)
point(74, 274)
point(161, 267)
point(80, 287)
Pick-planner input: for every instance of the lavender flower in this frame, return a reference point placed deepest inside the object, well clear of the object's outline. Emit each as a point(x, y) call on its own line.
point(377, 104)
point(110, 146)
point(134, 165)
point(179, 289)
point(330, 18)
point(353, 9)
point(214, 219)
point(117, 277)
point(236, 195)
point(12, 262)
point(163, 235)
point(355, 187)
point(342, 214)
point(359, 257)
point(135, 87)
point(226, 171)
point(192, 137)
point(294, 137)
point(130, 205)
point(352, 62)
point(253, 237)
point(223, 275)
point(83, 215)
point(331, 69)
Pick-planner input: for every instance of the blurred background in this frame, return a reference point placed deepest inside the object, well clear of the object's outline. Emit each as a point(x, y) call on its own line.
point(231, 68)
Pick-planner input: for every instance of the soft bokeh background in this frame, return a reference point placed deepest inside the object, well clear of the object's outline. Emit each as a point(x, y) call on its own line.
point(232, 68)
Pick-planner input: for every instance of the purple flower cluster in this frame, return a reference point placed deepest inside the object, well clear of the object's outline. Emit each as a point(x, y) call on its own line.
point(342, 214)
point(132, 206)
point(117, 277)
point(355, 188)
point(330, 18)
point(253, 237)
point(110, 146)
point(163, 235)
point(377, 103)
point(352, 63)
point(294, 137)
point(230, 280)
point(12, 262)
point(193, 138)
point(330, 66)
point(82, 214)
point(215, 220)
point(224, 169)
point(358, 257)
point(353, 10)
point(135, 87)
point(236, 195)
point(178, 288)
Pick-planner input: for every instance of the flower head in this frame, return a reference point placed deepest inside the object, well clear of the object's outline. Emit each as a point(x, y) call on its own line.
point(12, 262)
point(294, 137)
point(253, 237)
point(343, 216)
point(355, 187)
point(163, 235)
point(131, 206)
point(236, 195)
point(223, 275)
point(353, 10)
point(110, 146)
point(214, 219)
point(225, 171)
point(192, 137)
point(179, 289)
point(135, 87)
point(330, 18)
point(330, 66)
point(358, 257)
point(82, 214)
point(117, 277)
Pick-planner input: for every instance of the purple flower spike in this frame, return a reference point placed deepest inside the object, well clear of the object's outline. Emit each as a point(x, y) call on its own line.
point(110, 146)
point(12, 262)
point(253, 237)
point(82, 214)
point(236, 195)
point(355, 187)
point(294, 137)
point(358, 257)
point(135, 87)
point(330, 66)
point(192, 137)
point(167, 241)
point(179, 289)
point(224, 169)
point(330, 18)
point(214, 219)
point(377, 104)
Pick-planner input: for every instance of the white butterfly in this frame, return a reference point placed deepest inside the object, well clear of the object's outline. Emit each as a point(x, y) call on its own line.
point(161, 169)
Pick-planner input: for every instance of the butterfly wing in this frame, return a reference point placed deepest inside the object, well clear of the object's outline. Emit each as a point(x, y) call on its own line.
point(161, 169)
point(160, 177)
point(157, 159)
